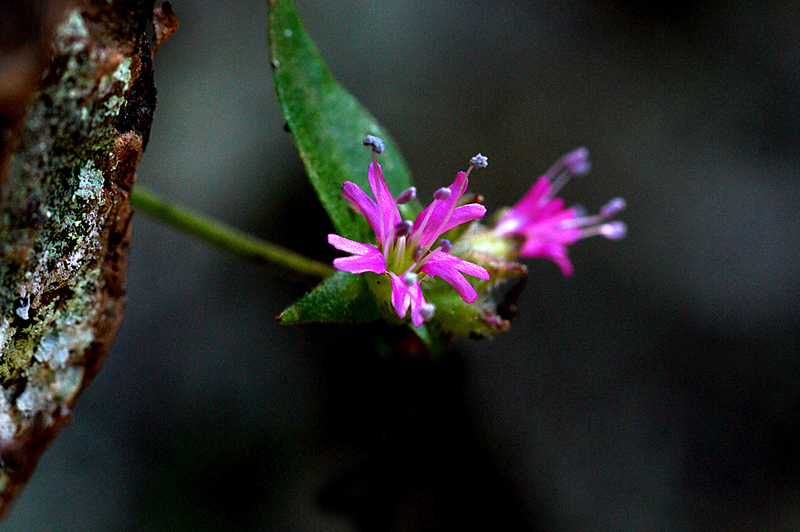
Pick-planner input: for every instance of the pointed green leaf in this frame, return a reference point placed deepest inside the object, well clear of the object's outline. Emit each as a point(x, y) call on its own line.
point(341, 298)
point(327, 123)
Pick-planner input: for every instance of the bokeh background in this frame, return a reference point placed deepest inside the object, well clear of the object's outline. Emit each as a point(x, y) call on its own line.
point(655, 390)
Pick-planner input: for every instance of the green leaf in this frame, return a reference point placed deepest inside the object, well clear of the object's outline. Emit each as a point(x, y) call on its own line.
point(341, 298)
point(327, 123)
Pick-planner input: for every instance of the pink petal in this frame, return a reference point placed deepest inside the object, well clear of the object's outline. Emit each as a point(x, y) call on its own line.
point(366, 258)
point(449, 267)
point(549, 210)
point(558, 254)
point(464, 266)
point(565, 265)
point(351, 246)
point(417, 302)
point(540, 249)
point(459, 186)
point(366, 205)
point(534, 198)
point(527, 210)
point(552, 230)
point(442, 215)
point(401, 299)
point(453, 277)
point(387, 206)
point(421, 230)
point(361, 263)
point(463, 214)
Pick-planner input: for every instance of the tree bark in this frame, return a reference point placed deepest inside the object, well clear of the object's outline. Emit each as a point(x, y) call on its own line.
point(74, 120)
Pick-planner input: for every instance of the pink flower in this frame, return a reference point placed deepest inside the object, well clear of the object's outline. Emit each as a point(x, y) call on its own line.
point(547, 227)
point(406, 250)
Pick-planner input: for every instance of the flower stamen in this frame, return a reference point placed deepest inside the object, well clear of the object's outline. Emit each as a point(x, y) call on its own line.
point(574, 164)
point(612, 208)
point(375, 142)
point(409, 194)
point(481, 161)
point(427, 310)
point(442, 194)
point(403, 228)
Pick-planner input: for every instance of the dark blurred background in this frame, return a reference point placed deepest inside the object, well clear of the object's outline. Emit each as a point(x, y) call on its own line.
point(657, 389)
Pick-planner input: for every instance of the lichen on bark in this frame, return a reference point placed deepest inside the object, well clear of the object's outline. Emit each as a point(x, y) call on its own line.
point(65, 220)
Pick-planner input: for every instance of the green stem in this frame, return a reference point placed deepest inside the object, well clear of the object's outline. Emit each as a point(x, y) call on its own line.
point(226, 237)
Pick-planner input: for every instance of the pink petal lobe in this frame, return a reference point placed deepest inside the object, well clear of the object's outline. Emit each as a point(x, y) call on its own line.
point(361, 264)
point(387, 206)
point(453, 277)
point(442, 215)
point(401, 299)
point(459, 186)
point(351, 246)
point(538, 249)
point(527, 210)
point(464, 266)
point(365, 205)
point(404, 296)
point(533, 199)
point(365, 258)
point(464, 214)
point(450, 268)
point(417, 302)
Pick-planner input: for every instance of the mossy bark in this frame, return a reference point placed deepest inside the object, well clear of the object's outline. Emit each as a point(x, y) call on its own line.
point(69, 151)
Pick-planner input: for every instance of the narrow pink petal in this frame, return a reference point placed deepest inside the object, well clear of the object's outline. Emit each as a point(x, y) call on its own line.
point(459, 186)
point(549, 210)
point(417, 302)
point(351, 246)
point(435, 219)
point(558, 254)
point(422, 222)
point(361, 201)
point(552, 231)
point(366, 258)
point(463, 214)
point(533, 199)
point(401, 299)
point(538, 249)
point(450, 268)
point(361, 263)
point(427, 226)
point(565, 265)
point(387, 206)
point(452, 276)
point(530, 208)
point(464, 266)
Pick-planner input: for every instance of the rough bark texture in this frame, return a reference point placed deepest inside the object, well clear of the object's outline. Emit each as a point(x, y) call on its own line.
point(74, 121)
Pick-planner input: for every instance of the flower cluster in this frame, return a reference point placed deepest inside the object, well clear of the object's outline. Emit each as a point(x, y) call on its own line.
point(546, 227)
point(538, 226)
point(408, 250)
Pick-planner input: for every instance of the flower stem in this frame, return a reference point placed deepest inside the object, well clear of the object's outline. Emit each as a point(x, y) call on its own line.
point(226, 237)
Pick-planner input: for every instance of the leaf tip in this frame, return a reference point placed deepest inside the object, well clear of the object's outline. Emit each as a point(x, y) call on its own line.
point(288, 317)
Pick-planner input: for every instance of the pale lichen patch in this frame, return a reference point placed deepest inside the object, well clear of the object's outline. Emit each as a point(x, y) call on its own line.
point(53, 350)
point(46, 390)
point(6, 334)
point(90, 183)
point(122, 74)
point(8, 428)
point(72, 35)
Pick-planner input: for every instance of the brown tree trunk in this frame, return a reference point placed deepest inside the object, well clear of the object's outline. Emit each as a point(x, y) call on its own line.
point(76, 102)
